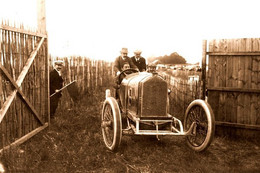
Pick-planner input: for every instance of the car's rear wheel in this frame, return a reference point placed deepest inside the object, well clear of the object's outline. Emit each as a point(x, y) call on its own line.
point(202, 135)
point(111, 124)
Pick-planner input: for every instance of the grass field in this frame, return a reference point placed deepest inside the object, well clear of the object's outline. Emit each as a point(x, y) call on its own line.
point(73, 143)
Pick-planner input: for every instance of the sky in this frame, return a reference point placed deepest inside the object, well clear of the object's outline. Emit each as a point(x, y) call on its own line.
point(98, 29)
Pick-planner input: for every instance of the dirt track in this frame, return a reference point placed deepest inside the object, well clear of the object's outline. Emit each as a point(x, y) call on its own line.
point(73, 143)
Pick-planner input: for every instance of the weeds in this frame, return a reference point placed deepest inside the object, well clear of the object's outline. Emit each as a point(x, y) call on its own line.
point(73, 143)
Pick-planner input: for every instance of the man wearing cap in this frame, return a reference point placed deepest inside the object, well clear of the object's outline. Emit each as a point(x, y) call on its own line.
point(121, 60)
point(139, 61)
point(56, 83)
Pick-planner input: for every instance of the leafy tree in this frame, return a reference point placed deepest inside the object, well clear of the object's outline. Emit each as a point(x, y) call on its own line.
point(173, 58)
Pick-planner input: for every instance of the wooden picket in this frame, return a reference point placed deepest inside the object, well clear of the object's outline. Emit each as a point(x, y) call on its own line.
point(23, 86)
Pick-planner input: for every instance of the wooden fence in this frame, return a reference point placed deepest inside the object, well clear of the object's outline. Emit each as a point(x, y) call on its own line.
point(233, 82)
point(23, 84)
point(183, 91)
point(89, 75)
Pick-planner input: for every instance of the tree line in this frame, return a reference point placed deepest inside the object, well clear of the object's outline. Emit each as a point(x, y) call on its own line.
point(173, 58)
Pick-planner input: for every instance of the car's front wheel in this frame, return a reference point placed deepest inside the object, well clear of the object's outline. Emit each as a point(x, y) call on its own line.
point(111, 124)
point(202, 135)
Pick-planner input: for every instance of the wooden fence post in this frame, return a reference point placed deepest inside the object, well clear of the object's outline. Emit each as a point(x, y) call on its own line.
point(204, 61)
point(83, 74)
point(97, 64)
point(88, 73)
point(41, 19)
point(92, 75)
point(101, 73)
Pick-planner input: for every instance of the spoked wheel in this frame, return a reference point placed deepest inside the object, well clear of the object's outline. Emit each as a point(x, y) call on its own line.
point(202, 135)
point(111, 124)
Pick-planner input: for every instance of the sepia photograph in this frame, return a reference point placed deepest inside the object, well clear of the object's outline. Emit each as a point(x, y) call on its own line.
point(131, 86)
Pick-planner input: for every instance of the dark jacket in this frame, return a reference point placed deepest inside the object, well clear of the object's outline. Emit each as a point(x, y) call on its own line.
point(56, 82)
point(119, 63)
point(141, 64)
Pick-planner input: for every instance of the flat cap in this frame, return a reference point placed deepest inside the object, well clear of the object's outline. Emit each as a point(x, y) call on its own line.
point(58, 62)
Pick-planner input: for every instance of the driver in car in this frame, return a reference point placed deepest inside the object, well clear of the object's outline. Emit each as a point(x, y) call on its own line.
point(125, 66)
point(121, 77)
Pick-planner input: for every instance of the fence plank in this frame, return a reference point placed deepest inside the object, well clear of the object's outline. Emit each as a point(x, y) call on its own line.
point(21, 30)
point(25, 138)
point(233, 73)
point(204, 64)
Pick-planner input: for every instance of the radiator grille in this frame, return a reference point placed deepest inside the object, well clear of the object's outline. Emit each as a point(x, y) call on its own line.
point(154, 97)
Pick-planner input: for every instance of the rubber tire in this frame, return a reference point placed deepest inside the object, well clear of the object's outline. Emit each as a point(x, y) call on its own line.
point(210, 124)
point(117, 124)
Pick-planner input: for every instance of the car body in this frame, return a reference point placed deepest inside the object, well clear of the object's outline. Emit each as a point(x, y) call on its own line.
point(141, 108)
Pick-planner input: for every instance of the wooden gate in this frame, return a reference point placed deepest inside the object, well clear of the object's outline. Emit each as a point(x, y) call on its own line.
point(233, 81)
point(24, 85)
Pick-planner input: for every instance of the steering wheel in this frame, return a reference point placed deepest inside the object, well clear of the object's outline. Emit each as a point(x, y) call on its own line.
point(126, 72)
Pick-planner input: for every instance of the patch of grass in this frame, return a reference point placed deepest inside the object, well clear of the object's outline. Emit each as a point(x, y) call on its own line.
point(73, 143)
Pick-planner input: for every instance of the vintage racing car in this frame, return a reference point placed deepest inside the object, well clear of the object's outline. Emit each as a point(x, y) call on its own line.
point(142, 109)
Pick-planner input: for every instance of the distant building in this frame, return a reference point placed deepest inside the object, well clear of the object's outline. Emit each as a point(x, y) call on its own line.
point(161, 66)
